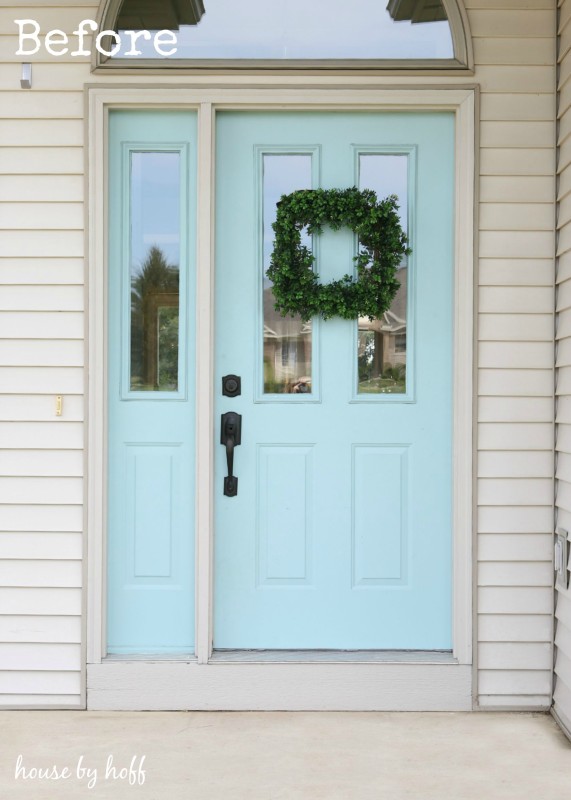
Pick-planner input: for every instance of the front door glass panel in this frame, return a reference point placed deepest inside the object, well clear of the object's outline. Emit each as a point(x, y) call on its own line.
point(382, 343)
point(287, 350)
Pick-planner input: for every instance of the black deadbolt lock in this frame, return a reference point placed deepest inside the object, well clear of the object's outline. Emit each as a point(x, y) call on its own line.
point(231, 386)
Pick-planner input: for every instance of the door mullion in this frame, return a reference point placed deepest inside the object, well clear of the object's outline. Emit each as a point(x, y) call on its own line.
point(204, 382)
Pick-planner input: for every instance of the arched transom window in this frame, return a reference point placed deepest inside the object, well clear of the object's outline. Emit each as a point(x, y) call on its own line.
point(292, 33)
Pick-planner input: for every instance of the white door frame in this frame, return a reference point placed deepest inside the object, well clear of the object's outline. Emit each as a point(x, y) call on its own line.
point(393, 682)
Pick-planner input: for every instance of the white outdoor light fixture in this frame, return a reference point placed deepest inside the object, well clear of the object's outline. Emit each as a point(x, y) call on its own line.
point(26, 79)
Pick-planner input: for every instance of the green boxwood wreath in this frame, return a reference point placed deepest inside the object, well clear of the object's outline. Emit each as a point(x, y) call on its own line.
point(383, 244)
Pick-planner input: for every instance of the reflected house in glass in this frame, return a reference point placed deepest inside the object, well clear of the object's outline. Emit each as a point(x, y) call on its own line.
point(382, 346)
point(287, 351)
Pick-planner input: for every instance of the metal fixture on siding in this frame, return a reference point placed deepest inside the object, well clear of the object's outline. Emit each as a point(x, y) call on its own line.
point(561, 560)
point(26, 79)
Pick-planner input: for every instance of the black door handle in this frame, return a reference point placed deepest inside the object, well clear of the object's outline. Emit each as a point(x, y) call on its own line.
point(231, 437)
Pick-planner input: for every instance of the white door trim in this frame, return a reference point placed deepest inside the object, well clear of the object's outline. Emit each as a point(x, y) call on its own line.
point(99, 99)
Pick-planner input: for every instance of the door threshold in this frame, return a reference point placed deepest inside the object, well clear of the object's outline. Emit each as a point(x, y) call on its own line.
point(333, 657)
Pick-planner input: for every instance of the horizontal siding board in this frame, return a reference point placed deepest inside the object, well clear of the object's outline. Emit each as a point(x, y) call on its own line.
point(41, 325)
point(40, 656)
point(516, 134)
point(38, 435)
point(41, 298)
point(517, 22)
point(564, 467)
point(505, 161)
point(40, 629)
point(517, 188)
point(516, 327)
point(540, 702)
point(48, 546)
point(562, 700)
point(59, 519)
point(41, 352)
point(512, 50)
point(515, 656)
point(40, 601)
point(563, 496)
point(514, 681)
point(516, 300)
point(65, 463)
point(563, 638)
point(563, 667)
point(517, 382)
point(514, 436)
point(516, 573)
point(516, 599)
point(43, 491)
point(41, 216)
point(511, 107)
point(515, 628)
point(36, 244)
point(564, 352)
point(515, 244)
point(41, 161)
point(39, 408)
point(42, 105)
point(41, 380)
point(510, 464)
point(522, 78)
point(511, 355)
point(510, 491)
point(511, 547)
point(48, 271)
point(514, 272)
point(513, 519)
point(48, 133)
point(563, 609)
point(40, 683)
point(515, 409)
point(41, 188)
point(55, 76)
point(47, 18)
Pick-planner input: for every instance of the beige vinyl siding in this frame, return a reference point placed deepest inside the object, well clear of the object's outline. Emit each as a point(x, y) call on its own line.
point(41, 356)
point(514, 52)
point(562, 683)
point(41, 352)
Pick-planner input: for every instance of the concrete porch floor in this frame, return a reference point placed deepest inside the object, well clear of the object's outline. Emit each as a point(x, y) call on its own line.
point(275, 756)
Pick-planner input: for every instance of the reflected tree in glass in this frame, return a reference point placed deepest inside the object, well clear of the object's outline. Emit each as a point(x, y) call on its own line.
point(154, 324)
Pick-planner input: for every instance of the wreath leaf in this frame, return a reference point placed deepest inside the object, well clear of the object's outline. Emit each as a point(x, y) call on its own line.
point(296, 287)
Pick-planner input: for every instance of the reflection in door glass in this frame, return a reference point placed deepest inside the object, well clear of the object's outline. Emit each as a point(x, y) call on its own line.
point(382, 342)
point(154, 271)
point(287, 340)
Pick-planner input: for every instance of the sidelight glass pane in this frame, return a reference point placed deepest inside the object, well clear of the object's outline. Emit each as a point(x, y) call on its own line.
point(381, 352)
point(287, 340)
point(154, 271)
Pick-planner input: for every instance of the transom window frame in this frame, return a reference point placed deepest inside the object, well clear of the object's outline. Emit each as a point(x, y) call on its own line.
point(463, 60)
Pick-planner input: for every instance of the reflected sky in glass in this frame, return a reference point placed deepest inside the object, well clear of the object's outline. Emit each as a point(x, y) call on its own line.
point(386, 174)
point(298, 29)
point(155, 206)
point(282, 174)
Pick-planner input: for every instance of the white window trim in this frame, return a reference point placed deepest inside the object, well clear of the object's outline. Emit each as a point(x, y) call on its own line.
point(201, 683)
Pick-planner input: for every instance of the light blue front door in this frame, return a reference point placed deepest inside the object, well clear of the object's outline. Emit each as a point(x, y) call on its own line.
point(151, 386)
point(340, 534)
